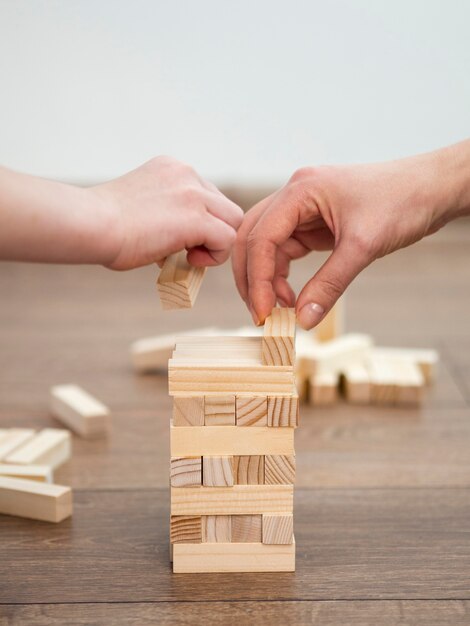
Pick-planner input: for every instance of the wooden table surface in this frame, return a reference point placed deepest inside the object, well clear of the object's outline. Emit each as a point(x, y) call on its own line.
point(382, 506)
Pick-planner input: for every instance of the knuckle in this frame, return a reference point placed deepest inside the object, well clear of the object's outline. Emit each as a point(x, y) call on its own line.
point(191, 196)
point(365, 244)
point(333, 287)
point(302, 174)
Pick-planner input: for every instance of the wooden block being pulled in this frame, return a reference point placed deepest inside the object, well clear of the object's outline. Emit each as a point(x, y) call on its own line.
point(217, 528)
point(252, 411)
point(219, 410)
point(188, 411)
point(246, 528)
point(278, 345)
point(248, 470)
point(80, 411)
point(13, 438)
point(323, 388)
point(186, 471)
point(332, 325)
point(279, 469)
point(283, 410)
point(357, 385)
point(35, 500)
point(217, 471)
point(185, 529)
point(278, 529)
point(42, 473)
point(179, 282)
point(51, 446)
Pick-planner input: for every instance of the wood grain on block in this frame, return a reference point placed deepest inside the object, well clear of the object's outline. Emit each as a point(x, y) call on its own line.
point(188, 411)
point(252, 411)
point(186, 471)
point(236, 500)
point(246, 528)
point(79, 410)
point(219, 410)
point(221, 347)
point(410, 383)
point(35, 500)
point(42, 473)
point(332, 325)
point(278, 344)
point(51, 446)
point(248, 469)
point(278, 529)
point(230, 440)
point(427, 360)
point(179, 282)
point(185, 529)
point(233, 557)
point(323, 388)
point(217, 528)
point(13, 439)
point(357, 385)
point(217, 471)
point(283, 410)
point(279, 469)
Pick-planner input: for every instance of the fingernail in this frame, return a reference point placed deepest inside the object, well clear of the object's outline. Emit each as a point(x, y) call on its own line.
point(254, 316)
point(310, 314)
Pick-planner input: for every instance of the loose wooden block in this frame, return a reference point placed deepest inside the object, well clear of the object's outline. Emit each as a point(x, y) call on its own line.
point(427, 360)
point(233, 557)
point(188, 411)
point(179, 282)
point(42, 473)
point(323, 388)
point(246, 528)
point(217, 528)
point(80, 411)
point(283, 410)
point(236, 500)
point(357, 385)
point(185, 529)
point(335, 355)
point(279, 469)
point(13, 438)
point(248, 469)
point(252, 411)
point(332, 325)
point(278, 529)
point(409, 383)
point(35, 500)
point(230, 440)
point(217, 471)
point(278, 345)
point(186, 471)
point(51, 446)
point(219, 411)
point(383, 380)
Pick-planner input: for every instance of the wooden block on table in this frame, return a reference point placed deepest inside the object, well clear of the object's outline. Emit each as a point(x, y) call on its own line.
point(42, 473)
point(233, 557)
point(35, 500)
point(283, 410)
point(186, 471)
point(179, 282)
point(248, 470)
point(246, 528)
point(13, 438)
point(278, 344)
point(217, 471)
point(219, 410)
point(427, 360)
point(51, 446)
point(323, 388)
point(185, 529)
point(332, 325)
point(383, 380)
point(188, 411)
point(80, 411)
point(3, 433)
point(357, 384)
point(217, 528)
point(278, 529)
point(410, 382)
point(252, 411)
point(337, 354)
point(279, 469)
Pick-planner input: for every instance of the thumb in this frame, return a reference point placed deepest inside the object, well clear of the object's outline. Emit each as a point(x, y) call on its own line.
point(322, 291)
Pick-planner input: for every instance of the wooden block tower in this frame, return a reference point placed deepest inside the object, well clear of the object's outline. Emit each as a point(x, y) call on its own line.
point(235, 408)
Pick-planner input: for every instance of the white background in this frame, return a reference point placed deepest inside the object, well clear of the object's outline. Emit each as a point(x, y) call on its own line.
point(244, 90)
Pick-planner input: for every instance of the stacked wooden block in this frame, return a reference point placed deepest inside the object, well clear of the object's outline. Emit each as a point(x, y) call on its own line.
point(235, 409)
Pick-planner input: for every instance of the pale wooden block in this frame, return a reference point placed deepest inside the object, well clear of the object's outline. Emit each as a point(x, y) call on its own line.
point(219, 410)
point(79, 410)
point(233, 557)
point(246, 528)
point(252, 411)
point(51, 446)
point(236, 500)
point(323, 388)
point(185, 529)
point(278, 345)
point(279, 469)
point(283, 410)
point(410, 383)
point(217, 471)
point(217, 528)
point(332, 325)
point(186, 471)
point(337, 354)
point(42, 473)
point(188, 411)
point(383, 380)
point(427, 360)
point(13, 439)
point(3, 433)
point(35, 500)
point(278, 529)
point(357, 384)
point(248, 469)
point(230, 440)
point(179, 282)
point(221, 347)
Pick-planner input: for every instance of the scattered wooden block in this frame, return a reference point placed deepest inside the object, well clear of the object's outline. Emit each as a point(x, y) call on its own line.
point(13, 438)
point(383, 380)
point(179, 282)
point(217, 528)
point(323, 388)
point(278, 344)
point(217, 471)
point(42, 473)
point(246, 528)
point(35, 500)
point(79, 410)
point(188, 411)
point(409, 383)
point(279, 469)
point(185, 529)
point(335, 355)
point(52, 446)
point(427, 360)
point(186, 471)
point(278, 529)
point(248, 470)
point(252, 411)
point(283, 410)
point(332, 325)
point(357, 385)
point(219, 411)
